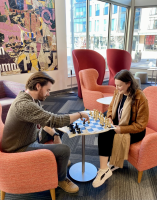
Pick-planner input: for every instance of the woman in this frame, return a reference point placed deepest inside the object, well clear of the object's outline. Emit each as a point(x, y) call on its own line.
point(129, 112)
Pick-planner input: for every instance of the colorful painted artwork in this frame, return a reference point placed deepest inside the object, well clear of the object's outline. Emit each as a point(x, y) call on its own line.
point(27, 36)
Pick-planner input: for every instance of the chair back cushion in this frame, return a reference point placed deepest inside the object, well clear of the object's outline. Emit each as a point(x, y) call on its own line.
point(117, 60)
point(151, 95)
point(88, 79)
point(1, 126)
point(85, 59)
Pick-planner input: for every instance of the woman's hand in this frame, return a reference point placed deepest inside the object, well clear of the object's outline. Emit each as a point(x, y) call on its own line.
point(117, 130)
point(110, 120)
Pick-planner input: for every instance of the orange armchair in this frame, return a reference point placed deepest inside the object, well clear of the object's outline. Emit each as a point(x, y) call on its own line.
point(85, 59)
point(143, 154)
point(27, 172)
point(91, 91)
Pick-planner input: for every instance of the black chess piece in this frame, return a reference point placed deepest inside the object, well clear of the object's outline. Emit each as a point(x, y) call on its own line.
point(71, 127)
point(84, 122)
point(74, 132)
point(76, 126)
point(79, 131)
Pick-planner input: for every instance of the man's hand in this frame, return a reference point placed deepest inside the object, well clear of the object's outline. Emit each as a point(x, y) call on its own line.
point(76, 116)
point(49, 130)
point(57, 140)
point(84, 115)
point(117, 130)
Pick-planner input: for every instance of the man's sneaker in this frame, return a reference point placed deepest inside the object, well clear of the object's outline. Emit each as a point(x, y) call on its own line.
point(102, 176)
point(69, 163)
point(112, 167)
point(68, 186)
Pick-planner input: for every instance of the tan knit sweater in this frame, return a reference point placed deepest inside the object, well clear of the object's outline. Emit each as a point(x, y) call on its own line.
point(20, 128)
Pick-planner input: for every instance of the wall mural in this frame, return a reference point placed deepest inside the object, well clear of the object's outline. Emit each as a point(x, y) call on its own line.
point(27, 36)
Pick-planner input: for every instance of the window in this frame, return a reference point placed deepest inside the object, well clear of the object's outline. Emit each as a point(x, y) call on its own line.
point(97, 9)
point(90, 10)
point(144, 44)
point(137, 18)
point(96, 25)
point(114, 9)
point(118, 28)
point(153, 11)
point(152, 23)
point(105, 23)
point(113, 25)
point(122, 19)
point(75, 28)
point(98, 37)
point(90, 26)
point(106, 9)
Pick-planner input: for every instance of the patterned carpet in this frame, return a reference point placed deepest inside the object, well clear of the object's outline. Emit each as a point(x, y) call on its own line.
point(122, 185)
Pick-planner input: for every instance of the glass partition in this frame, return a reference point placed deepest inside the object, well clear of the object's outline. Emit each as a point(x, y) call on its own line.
point(118, 27)
point(98, 33)
point(98, 23)
point(144, 44)
point(75, 28)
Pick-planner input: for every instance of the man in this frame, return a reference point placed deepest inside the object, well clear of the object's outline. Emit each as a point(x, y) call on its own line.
point(25, 114)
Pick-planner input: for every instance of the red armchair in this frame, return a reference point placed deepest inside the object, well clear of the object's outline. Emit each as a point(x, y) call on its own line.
point(143, 154)
point(117, 60)
point(91, 91)
point(27, 172)
point(84, 59)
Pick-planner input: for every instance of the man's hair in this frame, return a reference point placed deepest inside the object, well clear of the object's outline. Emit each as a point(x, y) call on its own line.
point(39, 77)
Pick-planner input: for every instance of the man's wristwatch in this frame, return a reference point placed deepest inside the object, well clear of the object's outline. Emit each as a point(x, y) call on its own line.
point(56, 134)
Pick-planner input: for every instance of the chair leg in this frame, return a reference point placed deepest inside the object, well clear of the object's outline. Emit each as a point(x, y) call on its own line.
point(85, 109)
point(140, 176)
point(2, 195)
point(53, 196)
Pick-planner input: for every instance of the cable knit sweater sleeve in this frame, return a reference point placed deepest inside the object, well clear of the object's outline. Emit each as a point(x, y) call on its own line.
point(29, 111)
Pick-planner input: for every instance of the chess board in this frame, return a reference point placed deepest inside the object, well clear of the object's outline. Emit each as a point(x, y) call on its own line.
point(93, 127)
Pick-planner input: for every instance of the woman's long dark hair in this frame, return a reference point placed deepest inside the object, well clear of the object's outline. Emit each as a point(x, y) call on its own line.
point(126, 77)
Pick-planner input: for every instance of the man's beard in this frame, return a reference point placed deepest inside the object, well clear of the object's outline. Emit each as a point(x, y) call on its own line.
point(41, 97)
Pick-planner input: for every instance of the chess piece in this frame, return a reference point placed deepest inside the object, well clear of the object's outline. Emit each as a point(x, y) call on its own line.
point(94, 113)
point(74, 132)
point(84, 122)
point(86, 131)
point(101, 120)
point(88, 121)
point(79, 131)
point(109, 123)
point(76, 126)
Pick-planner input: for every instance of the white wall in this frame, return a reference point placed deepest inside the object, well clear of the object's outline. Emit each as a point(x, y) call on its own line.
point(145, 2)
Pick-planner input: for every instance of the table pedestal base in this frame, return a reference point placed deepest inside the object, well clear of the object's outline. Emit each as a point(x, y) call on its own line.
point(77, 174)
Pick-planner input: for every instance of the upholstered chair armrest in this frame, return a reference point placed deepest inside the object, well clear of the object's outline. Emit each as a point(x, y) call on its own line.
point(89, 100)
point(92, 95)
point(148, 152)
point(23, 172)
point(106, 88)
point(12, 88)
